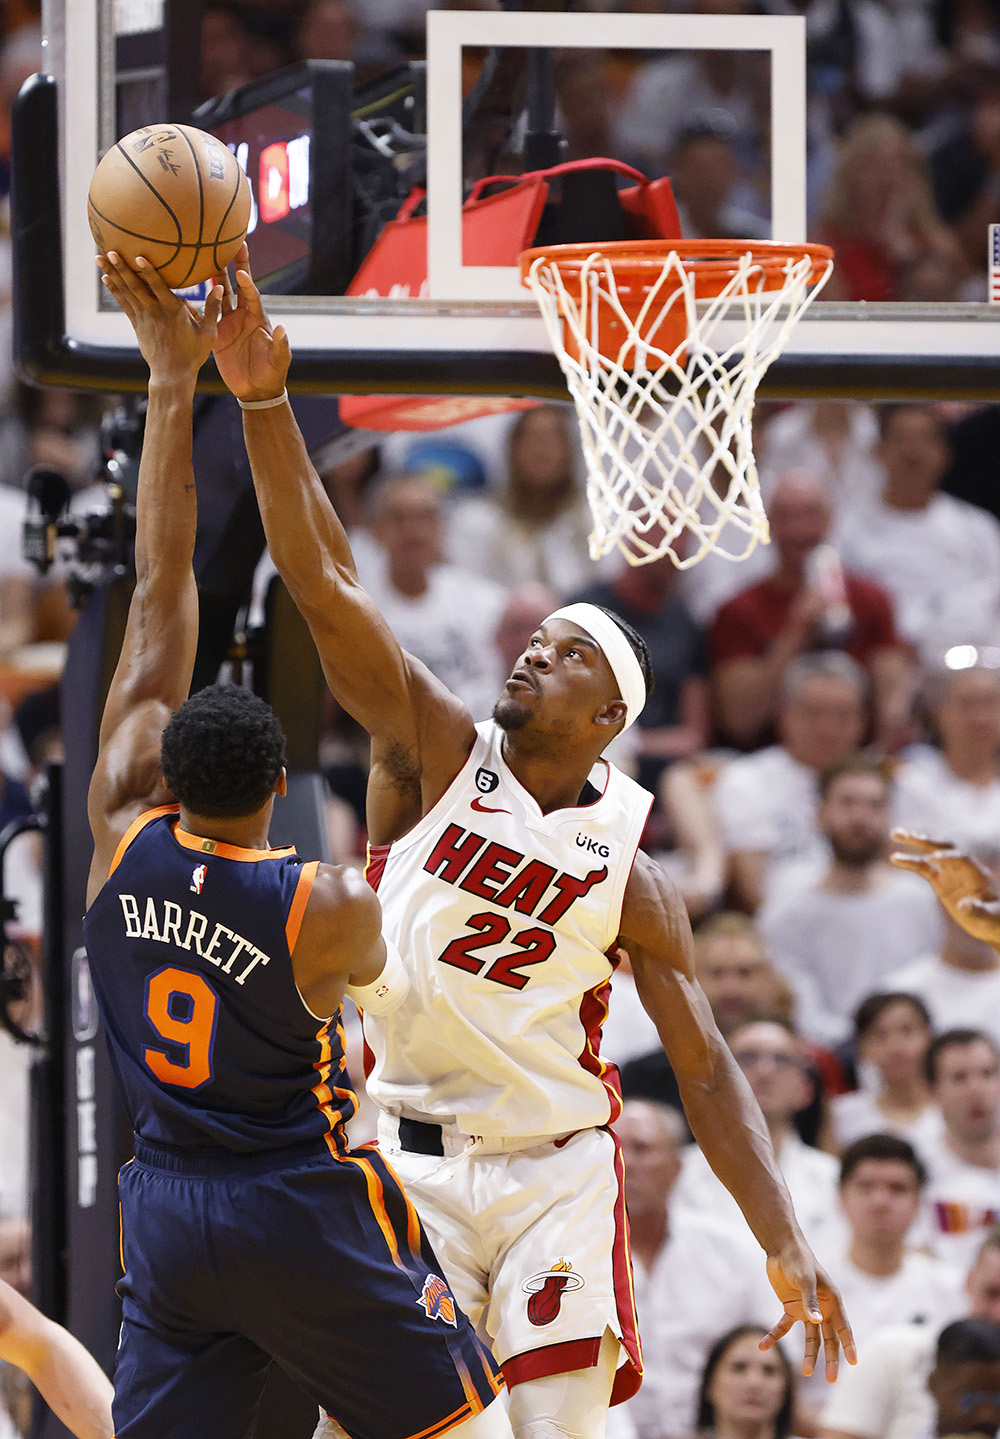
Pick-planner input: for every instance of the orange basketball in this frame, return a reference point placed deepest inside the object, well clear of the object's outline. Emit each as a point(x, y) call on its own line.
point(175, 195)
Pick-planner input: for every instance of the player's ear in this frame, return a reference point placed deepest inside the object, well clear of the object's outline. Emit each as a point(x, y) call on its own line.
point(281, 783)
point(612, 714)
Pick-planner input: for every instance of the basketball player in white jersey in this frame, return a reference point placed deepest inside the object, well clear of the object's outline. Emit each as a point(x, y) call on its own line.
point(506, 859)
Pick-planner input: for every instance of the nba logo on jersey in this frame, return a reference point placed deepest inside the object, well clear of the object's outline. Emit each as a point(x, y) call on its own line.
point(436, 1300)
point(486, 781)
point(198, 878)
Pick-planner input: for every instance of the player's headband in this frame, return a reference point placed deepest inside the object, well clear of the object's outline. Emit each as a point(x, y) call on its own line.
point(617, 651)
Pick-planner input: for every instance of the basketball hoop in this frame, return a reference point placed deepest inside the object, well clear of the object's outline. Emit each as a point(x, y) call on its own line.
point(663, 344)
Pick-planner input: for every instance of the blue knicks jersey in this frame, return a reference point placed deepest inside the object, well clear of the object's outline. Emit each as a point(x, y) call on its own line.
point(190, 943)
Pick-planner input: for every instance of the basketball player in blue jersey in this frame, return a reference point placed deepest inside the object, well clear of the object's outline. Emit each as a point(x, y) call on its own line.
point(506, 858)
point(251, 1233)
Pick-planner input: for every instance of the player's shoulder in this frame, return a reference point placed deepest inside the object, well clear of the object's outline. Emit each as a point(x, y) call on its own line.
point(338, 889)
point(652, 907)
point(649, 882)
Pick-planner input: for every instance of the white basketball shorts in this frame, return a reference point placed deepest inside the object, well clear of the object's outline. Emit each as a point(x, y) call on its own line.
point(534, 1243)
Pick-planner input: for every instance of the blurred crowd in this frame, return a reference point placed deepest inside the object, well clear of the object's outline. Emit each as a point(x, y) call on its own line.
point(838, 683)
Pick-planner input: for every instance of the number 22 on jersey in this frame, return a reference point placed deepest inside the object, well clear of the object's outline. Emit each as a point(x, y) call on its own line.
point(533, 946)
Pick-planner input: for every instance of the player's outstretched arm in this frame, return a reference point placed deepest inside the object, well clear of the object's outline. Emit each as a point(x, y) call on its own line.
point(722, 1112)
point(966, 889)
point(154, 669)
point(420, 733)
point(70, 1381)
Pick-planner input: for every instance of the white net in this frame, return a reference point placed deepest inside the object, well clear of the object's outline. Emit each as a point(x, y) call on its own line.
point(666, 428)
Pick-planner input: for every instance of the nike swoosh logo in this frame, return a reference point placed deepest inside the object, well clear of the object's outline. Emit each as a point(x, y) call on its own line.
point(487, 809)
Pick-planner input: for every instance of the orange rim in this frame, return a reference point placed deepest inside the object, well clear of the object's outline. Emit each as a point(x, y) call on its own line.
point(712, 262)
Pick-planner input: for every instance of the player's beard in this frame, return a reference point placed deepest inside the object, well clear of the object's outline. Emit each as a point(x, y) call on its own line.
point(509, 715)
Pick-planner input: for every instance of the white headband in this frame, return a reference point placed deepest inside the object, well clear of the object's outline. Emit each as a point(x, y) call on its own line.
point(617, 651)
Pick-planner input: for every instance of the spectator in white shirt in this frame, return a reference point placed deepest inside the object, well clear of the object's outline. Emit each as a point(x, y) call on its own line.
point(766, 801)
point(938, 557)
point(536, 526)
point(695, 1274)
point(963, 1189)
point(775, 1064)
point(882, 1279)
point(885, 1395)
point(892, 1033)
point(837, 931)
point(445, 617)
point(954, 789)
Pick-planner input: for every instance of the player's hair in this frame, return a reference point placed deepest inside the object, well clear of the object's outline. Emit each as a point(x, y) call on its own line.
point(953, 1038)
point(871, 1009)
point(968, 1341)
point(639, 647)
point(881, 1146)
point(864, 764)
point(706, 1409)
point(222, 752)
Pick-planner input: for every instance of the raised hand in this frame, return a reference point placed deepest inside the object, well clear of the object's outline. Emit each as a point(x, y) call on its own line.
point(966, 889)
point(808, 1294)
point(175, 337)
point(252, 357)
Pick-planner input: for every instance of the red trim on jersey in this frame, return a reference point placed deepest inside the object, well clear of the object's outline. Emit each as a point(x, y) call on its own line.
point(297, 909)
point(593, 1013)
point(375, 864)
point(137, 825)
point(553, 1359)
point(629, 1375)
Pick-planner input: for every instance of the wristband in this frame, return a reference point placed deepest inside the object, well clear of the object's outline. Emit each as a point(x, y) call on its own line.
point(263, 404)
point(389, 990)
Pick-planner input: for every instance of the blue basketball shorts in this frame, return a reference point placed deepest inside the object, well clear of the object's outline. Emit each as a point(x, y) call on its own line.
point(232, 1263)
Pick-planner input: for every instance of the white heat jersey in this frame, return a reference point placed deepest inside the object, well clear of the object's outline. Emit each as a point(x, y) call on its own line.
point(505, 918)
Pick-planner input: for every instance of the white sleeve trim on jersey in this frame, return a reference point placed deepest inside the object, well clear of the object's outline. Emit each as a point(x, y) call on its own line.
point(387, 992)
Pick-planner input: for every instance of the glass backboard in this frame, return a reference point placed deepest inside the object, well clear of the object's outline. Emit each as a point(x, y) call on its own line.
point(726, 102)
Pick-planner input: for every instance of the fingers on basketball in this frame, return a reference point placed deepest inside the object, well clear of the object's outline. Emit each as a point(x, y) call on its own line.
point(114, 287)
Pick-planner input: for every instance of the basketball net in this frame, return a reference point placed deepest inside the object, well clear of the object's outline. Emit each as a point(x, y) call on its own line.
point(663, 345)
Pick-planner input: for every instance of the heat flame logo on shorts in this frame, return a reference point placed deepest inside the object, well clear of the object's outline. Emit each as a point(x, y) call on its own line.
point(436, 1301)
point(546, 1289)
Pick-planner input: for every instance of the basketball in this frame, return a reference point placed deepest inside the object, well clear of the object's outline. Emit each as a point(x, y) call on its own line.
point(175, 195)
